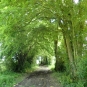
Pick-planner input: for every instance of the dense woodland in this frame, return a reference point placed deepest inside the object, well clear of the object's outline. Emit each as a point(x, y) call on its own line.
point(46, 28)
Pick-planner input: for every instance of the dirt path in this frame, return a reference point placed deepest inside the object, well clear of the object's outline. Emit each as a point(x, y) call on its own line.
point(40, 78)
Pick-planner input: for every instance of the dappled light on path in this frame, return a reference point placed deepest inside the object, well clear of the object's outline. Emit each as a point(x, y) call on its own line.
point(40, 78)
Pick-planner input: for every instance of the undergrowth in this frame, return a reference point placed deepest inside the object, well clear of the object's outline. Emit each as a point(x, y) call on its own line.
point(9, 79)
point(66, 81)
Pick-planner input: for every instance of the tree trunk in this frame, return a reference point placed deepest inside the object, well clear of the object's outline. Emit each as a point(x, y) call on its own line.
point(71, 56)
point(56, 54)
point(68, 37)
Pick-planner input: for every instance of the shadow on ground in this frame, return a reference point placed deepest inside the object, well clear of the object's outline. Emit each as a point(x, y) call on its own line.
point(42, 77)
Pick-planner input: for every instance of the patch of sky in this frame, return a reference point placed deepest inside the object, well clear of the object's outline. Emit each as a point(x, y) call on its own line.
point(52, 20)
point(76, 1)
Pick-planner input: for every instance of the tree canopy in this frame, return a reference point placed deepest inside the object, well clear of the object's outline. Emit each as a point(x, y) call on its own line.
point(28, 27)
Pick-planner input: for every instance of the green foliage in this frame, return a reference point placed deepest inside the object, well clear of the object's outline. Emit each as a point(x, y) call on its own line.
point(60, 66)
point(66, 80)
point(28, 28)
point(19, 62)
point(82, 71)
point(8, 79)
point(44, 60)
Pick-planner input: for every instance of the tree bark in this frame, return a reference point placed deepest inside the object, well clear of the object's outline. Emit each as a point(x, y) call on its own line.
point(56, 54)
point(70, 51)
point(71, 57)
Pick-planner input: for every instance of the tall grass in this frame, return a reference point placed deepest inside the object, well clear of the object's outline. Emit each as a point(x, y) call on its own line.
point(66, 81)
point(8, 79)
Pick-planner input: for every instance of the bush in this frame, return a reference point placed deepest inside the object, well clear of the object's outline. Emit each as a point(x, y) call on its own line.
point(82, 71)
point(59, 66)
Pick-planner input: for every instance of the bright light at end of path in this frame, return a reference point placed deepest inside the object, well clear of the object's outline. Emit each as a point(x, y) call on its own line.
point(76, 1)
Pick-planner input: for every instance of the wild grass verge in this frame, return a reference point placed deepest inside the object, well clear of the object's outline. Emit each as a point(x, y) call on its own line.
point(9, 79)
point(66, 81)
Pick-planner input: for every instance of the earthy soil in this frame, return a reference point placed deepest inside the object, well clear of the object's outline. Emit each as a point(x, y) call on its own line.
point(40, 78)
